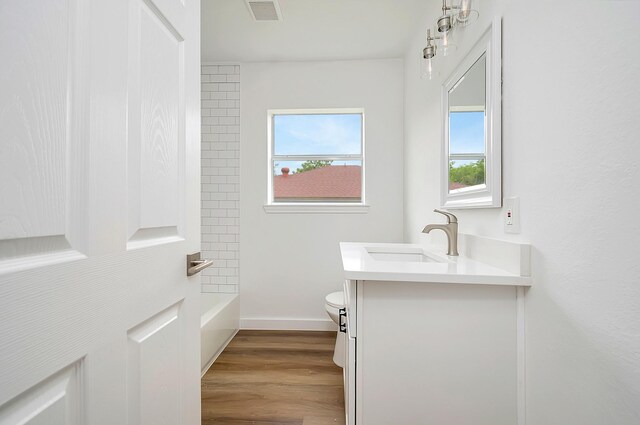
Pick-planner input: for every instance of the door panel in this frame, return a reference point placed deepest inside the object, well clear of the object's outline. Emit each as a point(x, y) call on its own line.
point(37, 96)
point(33, 112)
point(93, 331)
point(154, 349)
point(156, 126)
point(55, 401)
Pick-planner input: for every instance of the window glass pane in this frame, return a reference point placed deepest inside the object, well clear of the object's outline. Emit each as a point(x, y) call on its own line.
point(466, 173)
point(317, 181)
point(466, 132)
point(317, 134)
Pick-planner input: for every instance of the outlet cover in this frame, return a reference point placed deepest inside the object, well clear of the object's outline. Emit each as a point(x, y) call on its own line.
point(511, 212)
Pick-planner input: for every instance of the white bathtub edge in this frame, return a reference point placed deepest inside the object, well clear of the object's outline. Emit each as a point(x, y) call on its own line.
point(219, 322)
point(215, 356)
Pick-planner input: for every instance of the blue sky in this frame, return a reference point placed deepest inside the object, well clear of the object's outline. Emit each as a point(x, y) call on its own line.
point(317, 134)
point(466, 132)
point(340, 134)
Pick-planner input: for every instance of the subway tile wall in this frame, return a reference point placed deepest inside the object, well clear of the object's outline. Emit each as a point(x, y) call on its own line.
point(220, 176)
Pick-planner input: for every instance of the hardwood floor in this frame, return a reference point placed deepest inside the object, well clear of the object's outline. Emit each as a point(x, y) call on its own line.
point(275, 378)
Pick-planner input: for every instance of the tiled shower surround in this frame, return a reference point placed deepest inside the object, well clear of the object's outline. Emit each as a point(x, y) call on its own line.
point(220, 176)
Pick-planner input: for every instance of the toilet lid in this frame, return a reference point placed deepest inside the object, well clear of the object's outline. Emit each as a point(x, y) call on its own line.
point(335, 299)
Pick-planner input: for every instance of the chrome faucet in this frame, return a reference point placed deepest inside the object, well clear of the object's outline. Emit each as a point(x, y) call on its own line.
point(451, 229)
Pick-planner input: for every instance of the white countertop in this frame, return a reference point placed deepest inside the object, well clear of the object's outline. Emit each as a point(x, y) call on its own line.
point(358, 264)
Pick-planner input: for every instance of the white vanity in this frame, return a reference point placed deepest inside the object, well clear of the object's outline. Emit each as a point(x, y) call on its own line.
point(433, 339)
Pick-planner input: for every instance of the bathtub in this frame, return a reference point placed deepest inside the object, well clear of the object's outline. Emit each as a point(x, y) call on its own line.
point(219, 322)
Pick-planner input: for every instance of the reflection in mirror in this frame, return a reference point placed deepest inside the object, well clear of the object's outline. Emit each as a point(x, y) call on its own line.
point(467, 129)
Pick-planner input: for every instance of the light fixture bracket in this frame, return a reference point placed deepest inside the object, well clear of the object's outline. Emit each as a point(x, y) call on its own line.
point(445, 23)
point(429, 51)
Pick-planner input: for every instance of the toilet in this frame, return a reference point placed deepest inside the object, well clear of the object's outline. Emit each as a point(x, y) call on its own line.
point(333, 303)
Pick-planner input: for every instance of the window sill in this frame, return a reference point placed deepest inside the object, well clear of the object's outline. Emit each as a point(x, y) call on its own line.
point(316, 209)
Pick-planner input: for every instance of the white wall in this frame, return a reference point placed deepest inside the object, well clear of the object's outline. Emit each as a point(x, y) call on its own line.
point(220, 176)
point(291, 261)
point(571, 152)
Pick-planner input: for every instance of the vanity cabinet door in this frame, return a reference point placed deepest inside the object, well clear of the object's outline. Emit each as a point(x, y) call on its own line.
point(350, 378)
point(436, 354)
point(349, 372)
point(349, 289)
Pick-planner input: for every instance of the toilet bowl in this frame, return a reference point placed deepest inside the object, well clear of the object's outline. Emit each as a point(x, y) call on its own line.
point(333, 303)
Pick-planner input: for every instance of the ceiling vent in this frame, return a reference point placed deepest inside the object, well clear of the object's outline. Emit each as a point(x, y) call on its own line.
point(264, 10)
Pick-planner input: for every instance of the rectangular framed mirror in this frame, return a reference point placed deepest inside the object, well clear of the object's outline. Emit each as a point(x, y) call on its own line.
point(471, 136)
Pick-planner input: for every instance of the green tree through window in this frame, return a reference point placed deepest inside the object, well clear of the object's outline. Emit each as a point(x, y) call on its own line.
point(467, 175)
point(312, 165)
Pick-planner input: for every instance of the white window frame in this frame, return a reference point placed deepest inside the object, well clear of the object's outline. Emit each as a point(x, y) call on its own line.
point(313, 207)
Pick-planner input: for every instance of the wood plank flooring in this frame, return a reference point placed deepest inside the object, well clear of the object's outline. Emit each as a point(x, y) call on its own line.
point(275, 378)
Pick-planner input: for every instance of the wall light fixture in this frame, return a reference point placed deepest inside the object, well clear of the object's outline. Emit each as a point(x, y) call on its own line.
point(458, 14)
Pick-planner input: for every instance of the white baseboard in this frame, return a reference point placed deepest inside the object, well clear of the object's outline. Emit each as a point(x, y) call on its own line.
point(289, 324)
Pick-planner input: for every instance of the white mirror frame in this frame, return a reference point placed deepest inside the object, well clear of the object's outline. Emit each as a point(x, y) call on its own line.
point(488, 195)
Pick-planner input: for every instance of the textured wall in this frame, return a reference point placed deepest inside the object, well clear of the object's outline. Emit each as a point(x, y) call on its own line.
point(291, 261)
point(570, 152)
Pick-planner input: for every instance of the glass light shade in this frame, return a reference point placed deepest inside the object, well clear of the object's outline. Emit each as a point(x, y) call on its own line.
point(446, 44)
point(464, 6)
point(466, 15)
point(426, 69)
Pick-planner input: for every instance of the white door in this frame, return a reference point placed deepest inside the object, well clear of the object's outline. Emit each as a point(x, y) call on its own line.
point(99, 206)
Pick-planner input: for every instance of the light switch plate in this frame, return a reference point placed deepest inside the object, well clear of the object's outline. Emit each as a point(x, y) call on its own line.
point(511, 212)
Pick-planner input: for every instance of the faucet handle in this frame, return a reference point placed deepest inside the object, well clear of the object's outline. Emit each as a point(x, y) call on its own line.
point(450, 217)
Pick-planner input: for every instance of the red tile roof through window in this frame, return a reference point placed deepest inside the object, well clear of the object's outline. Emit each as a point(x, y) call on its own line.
point(331, 181)
point(456, 185)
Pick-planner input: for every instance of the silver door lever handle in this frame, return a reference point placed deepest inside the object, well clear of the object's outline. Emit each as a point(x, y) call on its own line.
point(195, 264)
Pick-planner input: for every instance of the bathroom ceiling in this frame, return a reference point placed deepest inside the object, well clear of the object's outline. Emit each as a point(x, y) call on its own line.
point(311, 30)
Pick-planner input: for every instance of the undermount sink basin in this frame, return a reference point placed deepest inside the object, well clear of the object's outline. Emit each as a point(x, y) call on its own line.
point(414, 255)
